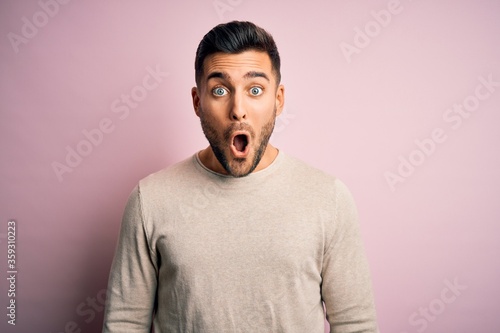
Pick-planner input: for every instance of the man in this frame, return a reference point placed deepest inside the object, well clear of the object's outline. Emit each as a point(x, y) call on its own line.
point(241, 237)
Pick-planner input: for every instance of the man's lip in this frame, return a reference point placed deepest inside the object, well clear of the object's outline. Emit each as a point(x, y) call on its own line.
point(236, 153)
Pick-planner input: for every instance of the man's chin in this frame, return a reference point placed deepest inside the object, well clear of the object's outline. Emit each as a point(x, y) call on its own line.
point(240, 167)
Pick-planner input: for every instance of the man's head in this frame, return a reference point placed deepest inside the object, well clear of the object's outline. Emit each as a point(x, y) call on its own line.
point(237, 97)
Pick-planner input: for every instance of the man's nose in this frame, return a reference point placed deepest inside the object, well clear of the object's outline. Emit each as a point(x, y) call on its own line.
point(238, 110)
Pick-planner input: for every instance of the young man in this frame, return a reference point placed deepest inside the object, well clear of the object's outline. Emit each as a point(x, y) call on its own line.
point(240, 237)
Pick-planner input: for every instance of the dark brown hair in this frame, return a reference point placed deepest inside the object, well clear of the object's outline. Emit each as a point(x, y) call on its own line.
point(236, 37)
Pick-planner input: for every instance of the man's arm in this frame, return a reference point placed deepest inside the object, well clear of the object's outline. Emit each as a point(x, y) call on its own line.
point(133, 278)
point(346, 287)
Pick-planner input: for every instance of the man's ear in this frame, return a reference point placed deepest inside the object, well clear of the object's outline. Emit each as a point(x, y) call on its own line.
point(280, 99)
point(196, 100)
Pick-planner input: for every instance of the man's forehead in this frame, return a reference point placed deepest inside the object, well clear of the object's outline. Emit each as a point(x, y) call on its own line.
point(237, 65)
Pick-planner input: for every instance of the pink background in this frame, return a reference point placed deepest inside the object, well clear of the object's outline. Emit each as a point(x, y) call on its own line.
point(353, 116)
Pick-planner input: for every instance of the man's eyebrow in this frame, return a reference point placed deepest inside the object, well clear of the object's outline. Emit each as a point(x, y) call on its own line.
point(219, 75)
point(249, 75)
point(253, 74)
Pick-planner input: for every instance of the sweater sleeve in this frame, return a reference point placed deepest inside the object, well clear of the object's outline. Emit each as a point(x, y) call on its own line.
point(346, 283)
point(133, 278)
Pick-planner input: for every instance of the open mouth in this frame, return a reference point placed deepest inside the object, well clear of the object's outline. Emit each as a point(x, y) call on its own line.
point(240, 141)
point(239, 144)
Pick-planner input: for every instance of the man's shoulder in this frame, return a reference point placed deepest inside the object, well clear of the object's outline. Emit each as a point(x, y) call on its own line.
point(314, 179)
point(300, 168)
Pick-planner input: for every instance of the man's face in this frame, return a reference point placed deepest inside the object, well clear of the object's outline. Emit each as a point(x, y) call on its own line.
point(237, 101)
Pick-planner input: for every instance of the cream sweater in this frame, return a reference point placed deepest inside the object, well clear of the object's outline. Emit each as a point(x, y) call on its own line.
point(203, 252)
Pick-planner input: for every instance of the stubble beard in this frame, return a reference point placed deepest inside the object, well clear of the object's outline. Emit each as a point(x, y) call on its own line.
point(237, 167)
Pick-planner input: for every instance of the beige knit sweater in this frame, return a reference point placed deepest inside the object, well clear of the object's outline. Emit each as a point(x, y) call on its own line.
point(203, 252)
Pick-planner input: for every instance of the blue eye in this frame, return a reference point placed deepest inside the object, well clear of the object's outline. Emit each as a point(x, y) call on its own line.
point(219, 91)
point(256, 91)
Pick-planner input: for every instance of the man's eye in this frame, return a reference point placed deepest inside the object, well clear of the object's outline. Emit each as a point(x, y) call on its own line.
point(219, 91)
point(256, 91)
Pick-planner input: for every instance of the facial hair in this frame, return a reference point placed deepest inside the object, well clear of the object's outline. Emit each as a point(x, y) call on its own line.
point(219, 143)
